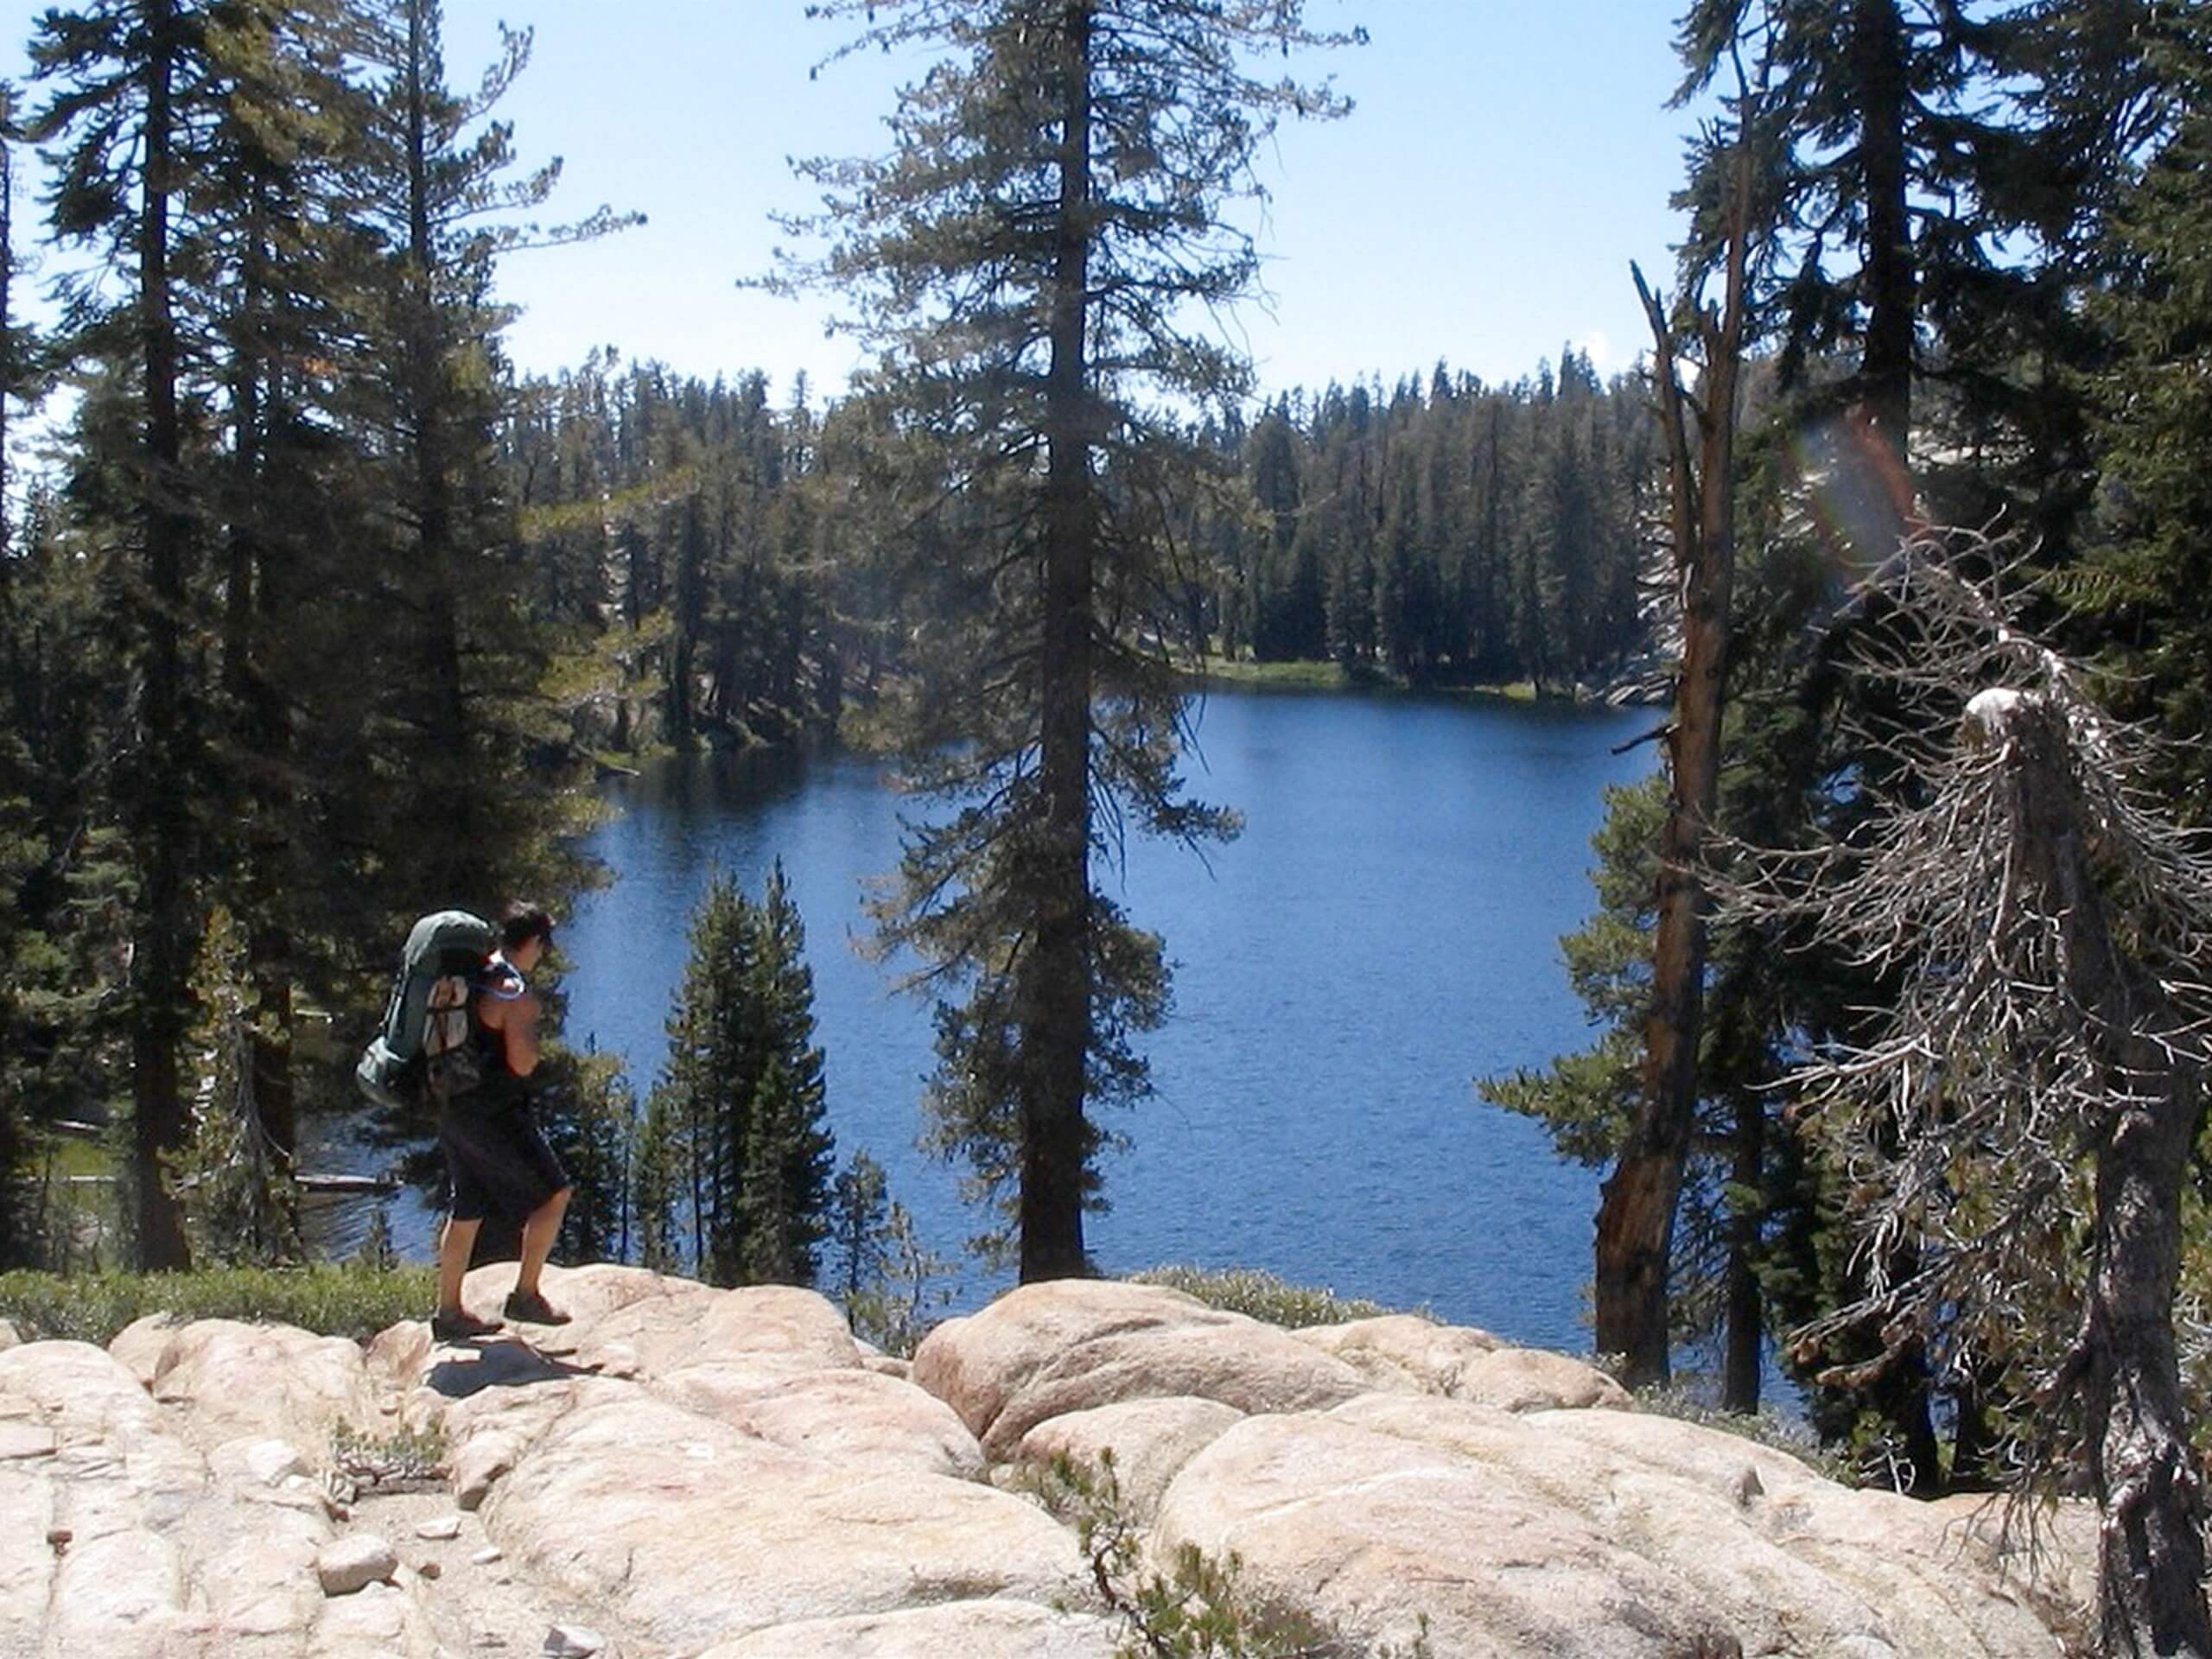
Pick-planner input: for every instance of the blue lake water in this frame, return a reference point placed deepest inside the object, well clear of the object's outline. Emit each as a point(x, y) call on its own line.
point(1383, 932)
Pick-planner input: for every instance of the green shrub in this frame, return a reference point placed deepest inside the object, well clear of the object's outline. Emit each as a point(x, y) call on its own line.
point(332, 1300)
point(1262, 1296)
point(1202, 1606)
point(406, 1460)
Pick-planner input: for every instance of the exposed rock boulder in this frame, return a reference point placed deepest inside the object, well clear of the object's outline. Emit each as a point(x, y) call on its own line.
point(862, 1417)
point(1529, 1379)
point(959, 1629)
point(138, 1347)
point(727, 1475)
point(692, 1532)
point(266, 1381)
point(1150, 1439)
point(1374, 1534)
point(1403, 1353)
point(1795, 1557)
point(1598, 1532)
point(123, 1541)
point(769, 1330)
point(1045, 1350)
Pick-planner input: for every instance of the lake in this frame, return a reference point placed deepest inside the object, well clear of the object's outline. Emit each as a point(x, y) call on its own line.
point(1383, 932)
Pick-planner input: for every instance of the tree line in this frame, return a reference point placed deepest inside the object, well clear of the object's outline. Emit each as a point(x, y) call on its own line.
point(266, 635)
point(1457, 533)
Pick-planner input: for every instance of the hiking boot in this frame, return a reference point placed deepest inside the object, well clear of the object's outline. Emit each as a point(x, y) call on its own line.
point(528, 1307)
point(459, 1324)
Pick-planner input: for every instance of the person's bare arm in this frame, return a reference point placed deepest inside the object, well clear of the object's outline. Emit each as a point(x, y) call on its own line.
point(519, 1033)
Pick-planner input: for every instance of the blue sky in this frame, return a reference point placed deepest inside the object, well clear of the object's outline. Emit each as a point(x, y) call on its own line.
point(1507, 159)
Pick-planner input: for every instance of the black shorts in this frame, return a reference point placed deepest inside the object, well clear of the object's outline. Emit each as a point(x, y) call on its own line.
point(497, 1160)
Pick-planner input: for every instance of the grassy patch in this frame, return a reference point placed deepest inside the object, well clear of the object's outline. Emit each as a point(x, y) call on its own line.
point(1335, 676)
point(1262, 1296)
point(332, 1299)
point(1289, 677)
point(408, 1460)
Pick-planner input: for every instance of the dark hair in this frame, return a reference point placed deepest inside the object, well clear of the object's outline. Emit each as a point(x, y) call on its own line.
point(522, 922)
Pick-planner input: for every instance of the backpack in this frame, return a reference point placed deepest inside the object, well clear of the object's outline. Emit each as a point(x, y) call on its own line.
point(423, 1044)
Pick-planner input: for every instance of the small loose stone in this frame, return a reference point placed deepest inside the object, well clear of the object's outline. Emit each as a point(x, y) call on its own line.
point(354, 1563)
point(486, 1556)
point(440, 1527)
point(573, 1642)
point(428, 1569)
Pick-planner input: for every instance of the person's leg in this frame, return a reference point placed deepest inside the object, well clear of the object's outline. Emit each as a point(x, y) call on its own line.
point(538, 1167)
point(452, 1322)
point(454, 1243)
point(538, 1233)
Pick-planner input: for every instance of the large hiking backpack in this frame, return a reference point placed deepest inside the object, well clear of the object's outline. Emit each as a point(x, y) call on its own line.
point(422, 1045)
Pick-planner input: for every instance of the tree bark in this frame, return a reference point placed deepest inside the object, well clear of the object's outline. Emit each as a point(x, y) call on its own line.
point(1636, 1213)
point(1055, 1033)
point(162, 959)
point(250, 607)
point(2152, 1545)
point(1889, 283)
point(10, 366)
point(449, 866)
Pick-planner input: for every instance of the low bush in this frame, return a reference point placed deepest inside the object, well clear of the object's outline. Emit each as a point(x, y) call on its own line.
point(1262, 1296)
point(1200, 1606)
point(332, 1300)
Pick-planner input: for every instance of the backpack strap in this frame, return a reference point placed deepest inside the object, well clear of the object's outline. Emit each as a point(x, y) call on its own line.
point(500, 981)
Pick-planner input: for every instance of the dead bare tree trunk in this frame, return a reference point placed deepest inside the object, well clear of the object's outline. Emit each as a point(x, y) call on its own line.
point(1635, 1214)
point(2047, 929)
point(2152, 1545)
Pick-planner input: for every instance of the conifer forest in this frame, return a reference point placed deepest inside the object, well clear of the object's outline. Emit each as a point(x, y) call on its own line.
point(316, 614)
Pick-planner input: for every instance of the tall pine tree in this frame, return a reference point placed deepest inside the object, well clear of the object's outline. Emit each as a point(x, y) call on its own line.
point(1085, 153)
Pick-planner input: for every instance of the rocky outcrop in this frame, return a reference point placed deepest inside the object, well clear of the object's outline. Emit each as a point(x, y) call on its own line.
point(1148, 1440)
point(728, 1475)
point(1047, 1351)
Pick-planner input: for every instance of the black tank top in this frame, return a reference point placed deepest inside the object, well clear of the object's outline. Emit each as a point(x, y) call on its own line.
point(498, 1084)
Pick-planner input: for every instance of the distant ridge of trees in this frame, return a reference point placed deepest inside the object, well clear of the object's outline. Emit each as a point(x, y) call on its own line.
point(1443, 531)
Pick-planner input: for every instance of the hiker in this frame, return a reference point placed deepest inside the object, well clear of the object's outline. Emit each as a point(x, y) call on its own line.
point(497, 1159)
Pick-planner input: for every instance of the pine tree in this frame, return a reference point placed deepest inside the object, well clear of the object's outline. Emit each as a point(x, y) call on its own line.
point(785, 1201)
point(240, 1206)
point(589, 1117)
point(735, 1145)
point(1084, 151)
point(699, 1110)
point(129, 90)
point(1636, 1215)
point(65, 924)
point(463, 709)
point(657, 1183)
point(2151, 562)
point(859, 1208)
